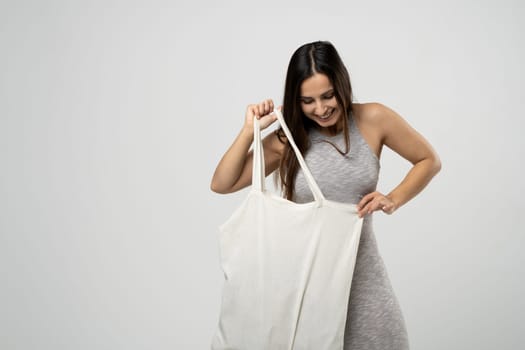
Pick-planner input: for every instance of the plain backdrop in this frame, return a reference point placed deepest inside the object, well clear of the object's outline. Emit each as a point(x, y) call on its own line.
point(114, 115)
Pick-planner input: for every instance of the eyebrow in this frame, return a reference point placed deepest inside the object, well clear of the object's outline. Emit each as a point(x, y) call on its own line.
point(324, 93)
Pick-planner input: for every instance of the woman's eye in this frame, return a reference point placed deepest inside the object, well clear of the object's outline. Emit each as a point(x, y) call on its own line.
point(327, 97)
point(306, 101)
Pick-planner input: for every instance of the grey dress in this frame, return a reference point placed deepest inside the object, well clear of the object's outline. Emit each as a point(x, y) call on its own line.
point(374, 318)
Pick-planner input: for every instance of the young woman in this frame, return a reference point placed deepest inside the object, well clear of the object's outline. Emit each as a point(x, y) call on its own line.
point(341, 142)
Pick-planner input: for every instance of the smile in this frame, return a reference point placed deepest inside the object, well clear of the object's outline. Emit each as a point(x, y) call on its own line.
point(326, 116)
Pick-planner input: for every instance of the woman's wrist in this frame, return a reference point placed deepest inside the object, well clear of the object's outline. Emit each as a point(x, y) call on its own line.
point(395, 202)
point(247, 133)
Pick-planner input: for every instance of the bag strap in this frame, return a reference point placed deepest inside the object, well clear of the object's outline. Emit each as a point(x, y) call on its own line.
point(258, 170)
point(258, 174)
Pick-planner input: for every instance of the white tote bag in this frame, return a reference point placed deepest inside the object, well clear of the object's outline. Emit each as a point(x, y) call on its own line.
point(288, 267)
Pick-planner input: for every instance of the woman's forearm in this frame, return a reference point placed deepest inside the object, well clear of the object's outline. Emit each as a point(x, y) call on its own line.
point(415, 181)
point(230, 166)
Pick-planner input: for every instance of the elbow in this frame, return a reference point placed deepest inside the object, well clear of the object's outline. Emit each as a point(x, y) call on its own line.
point(215, 187)
point(436, 164)
point(431, 164)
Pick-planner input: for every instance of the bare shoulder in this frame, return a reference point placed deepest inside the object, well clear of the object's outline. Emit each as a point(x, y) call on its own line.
point(378, 119)
point(371, 112)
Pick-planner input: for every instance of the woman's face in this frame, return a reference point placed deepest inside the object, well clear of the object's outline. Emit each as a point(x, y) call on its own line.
point(318, 101)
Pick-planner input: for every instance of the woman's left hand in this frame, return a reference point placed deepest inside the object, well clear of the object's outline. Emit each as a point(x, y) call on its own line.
point(375, 201)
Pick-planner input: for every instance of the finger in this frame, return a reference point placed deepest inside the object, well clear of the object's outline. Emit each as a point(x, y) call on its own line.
point(363, 211)
point(372, 206)
point(252, 111)
point(267, 108)
point(361, 203)
point(272, 117)
point(365, 200)
point(269, 119)
point(256, 112)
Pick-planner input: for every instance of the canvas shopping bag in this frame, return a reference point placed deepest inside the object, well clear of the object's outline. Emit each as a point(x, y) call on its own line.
point(288, 267)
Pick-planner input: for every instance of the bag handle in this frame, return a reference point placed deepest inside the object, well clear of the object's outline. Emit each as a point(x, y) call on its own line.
point(258, 173)
point(258, 170)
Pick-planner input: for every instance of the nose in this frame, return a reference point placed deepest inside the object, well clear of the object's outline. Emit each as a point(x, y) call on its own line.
point(320, 109)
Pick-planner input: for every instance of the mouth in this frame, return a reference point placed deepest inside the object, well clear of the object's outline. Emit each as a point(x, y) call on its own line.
point(327, 116)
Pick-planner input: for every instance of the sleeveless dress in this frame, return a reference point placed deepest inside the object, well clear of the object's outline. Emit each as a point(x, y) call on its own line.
point(374, 318)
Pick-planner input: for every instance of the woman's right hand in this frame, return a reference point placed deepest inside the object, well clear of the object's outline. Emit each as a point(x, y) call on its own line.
point(234, 170)
point(263, 111)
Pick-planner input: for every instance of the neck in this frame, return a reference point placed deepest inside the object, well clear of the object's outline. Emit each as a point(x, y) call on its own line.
point(331, 130)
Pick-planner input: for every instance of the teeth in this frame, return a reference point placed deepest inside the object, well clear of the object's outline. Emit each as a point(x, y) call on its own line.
point(326, 116)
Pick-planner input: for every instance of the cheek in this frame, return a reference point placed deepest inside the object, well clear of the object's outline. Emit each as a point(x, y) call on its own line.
point(307, 109)
point(333, 103)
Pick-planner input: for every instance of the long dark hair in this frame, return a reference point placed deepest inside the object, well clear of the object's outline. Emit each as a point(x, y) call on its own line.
point(309, 59)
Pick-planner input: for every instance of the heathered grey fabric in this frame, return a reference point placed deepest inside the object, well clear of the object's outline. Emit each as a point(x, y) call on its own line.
point(374, 318)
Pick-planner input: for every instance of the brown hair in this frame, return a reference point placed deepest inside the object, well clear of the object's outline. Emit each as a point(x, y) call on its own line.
point(316, 57)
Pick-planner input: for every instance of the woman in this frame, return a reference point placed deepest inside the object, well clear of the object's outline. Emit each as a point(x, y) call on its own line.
point(341, 142)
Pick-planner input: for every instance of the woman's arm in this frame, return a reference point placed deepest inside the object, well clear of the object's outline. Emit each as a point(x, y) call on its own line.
point(399, 136)
point(234, 171)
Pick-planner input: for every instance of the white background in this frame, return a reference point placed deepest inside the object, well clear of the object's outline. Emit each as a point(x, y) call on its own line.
point(114, 115)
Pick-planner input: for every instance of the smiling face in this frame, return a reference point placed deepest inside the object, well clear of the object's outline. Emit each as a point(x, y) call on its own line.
point(319, 103)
